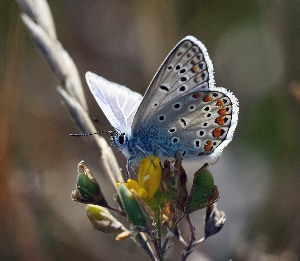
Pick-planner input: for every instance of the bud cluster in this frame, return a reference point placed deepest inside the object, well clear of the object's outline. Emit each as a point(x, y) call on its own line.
point(154, 205)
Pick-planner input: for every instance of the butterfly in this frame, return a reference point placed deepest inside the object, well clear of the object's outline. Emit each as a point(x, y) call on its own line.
point(182, 110)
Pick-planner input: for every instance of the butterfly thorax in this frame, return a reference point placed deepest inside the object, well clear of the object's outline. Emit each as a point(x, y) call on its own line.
point(137, 147)
point(125, 143)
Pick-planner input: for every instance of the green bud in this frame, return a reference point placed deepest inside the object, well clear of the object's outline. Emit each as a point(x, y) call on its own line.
point(87, 188)
point(202, 190)
point(102, 220)
point(132, 208)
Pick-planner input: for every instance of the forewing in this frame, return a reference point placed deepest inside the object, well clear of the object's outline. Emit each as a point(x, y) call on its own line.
point(118, 103)
point(186, 69)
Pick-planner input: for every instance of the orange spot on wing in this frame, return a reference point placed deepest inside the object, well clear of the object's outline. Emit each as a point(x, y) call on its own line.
point(208, 98)
point(216, 133)
point(196, 68)
point(208, 146)
point(196, 95)
point(222, 111)
point(219, 103)
point(220, 120)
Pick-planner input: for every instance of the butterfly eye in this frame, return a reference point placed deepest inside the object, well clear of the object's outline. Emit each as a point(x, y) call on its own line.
point(121, 139)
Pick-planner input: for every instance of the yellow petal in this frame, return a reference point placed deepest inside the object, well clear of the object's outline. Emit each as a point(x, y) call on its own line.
point(150, 174)
point(142, 193)
point(132, 184)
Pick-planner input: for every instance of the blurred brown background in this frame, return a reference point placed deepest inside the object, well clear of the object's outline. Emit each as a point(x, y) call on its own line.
point(255, 50)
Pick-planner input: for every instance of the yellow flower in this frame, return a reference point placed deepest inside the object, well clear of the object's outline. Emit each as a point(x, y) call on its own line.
point(148, 178)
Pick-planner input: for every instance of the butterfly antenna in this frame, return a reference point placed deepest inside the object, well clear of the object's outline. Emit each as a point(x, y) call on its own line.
point(88, 134)
point(94, 133)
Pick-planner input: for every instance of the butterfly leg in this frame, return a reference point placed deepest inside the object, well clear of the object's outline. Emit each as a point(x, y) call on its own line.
point(146, 154)
point(129, 166)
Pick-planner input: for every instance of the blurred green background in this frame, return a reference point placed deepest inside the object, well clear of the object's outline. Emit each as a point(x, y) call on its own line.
point(255, 49)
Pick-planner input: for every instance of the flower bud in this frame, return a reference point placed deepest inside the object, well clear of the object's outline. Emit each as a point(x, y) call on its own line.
point(102, 220)
point(87, 188)
point(201, 191)
point(132, 207)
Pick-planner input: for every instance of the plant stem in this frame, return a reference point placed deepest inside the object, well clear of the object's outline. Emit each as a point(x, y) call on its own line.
point(189, 248)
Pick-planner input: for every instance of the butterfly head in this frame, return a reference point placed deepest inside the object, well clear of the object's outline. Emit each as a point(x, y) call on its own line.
point(119, 139)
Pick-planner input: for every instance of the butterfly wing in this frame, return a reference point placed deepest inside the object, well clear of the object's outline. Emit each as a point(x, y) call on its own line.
point(186, 69)
point(197, 124)
point(118, 103)
point(182, 109)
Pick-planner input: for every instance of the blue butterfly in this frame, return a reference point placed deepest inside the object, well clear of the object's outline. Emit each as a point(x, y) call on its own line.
point(182, 110)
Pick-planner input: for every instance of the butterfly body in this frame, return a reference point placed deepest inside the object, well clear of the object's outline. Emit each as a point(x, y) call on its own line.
point(181, 111)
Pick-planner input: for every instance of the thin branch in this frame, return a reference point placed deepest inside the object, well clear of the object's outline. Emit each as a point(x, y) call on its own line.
point(189, 249)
